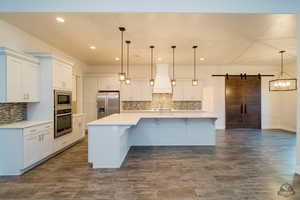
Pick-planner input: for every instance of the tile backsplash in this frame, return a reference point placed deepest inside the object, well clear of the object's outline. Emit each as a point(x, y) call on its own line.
point(12, 112)
point(161, 101)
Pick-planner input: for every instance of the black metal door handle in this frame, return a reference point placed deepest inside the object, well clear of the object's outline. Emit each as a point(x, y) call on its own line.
point(241, 108)
point(245, 108)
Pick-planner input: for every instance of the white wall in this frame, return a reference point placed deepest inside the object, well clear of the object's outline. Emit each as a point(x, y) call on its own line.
point(14, 38)
point(288, 103)
point(272, 111)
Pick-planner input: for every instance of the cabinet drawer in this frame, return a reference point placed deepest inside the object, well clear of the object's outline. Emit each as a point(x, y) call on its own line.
point(32, 130)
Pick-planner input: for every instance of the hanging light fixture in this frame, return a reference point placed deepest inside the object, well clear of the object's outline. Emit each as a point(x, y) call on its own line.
point(122, 75)
point(151, 72)
point(284, 82)
point(195, 81)
point(173, 81)
point(127, 79)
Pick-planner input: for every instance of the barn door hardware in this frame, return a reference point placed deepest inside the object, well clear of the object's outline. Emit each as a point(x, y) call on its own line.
point(243, 76)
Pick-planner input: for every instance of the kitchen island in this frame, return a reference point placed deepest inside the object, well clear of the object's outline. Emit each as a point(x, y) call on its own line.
point(110, 138)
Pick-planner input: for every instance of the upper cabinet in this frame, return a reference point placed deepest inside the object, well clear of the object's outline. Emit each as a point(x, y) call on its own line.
point(56, 71)
point(184, 91)
point(74, 88)
point(109, 83)
point(137, 90)
point(19, 77)
point(62, 76)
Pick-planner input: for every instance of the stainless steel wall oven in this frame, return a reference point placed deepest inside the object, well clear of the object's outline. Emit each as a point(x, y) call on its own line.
point(62, 113)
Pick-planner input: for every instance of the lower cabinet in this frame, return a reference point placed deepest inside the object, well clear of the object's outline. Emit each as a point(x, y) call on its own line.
point(38, 142)
point(22, 148)
point(77, 133)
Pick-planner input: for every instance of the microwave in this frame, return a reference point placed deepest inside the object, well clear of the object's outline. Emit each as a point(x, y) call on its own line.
point(63, 99)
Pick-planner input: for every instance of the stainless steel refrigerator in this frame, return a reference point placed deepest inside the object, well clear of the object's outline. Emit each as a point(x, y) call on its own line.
point(108, 102)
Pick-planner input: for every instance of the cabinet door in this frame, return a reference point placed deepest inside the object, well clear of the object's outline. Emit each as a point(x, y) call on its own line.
point(192, 93)
point(14, 90)
point(125, 92)
point(31, 149)
point(30, 82)
point(74, 88)
point(47, 142)
point(67, 78)
point(109, 83)
point(57, 76)
point(62, 76)
point(178, 91)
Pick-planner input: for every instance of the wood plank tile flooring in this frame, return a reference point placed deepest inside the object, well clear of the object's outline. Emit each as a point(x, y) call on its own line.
point(245, 165)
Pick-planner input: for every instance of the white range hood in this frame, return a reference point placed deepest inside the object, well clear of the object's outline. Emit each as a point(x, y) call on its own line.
point(162, 83)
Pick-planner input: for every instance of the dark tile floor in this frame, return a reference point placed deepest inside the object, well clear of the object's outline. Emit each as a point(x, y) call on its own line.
point(245, 164)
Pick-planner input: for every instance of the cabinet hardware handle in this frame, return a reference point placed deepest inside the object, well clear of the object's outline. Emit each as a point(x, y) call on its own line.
point(245, 108)
point(242, 109)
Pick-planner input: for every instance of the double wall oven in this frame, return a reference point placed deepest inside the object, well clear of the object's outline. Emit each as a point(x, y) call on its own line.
point(62, 113)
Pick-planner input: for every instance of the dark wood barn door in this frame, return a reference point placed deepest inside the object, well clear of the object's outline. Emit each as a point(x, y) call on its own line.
point(243, 102)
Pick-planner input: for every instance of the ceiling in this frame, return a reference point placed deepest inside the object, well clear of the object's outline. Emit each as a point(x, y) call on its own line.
point(221, 38)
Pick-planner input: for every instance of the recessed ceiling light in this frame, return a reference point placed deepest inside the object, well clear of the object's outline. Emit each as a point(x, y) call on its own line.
point(60, 19)
point(202, 59)
point(159, 59)
point(116, 58)
point(92, 47)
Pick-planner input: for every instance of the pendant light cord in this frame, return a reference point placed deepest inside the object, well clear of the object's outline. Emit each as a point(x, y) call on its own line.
point(122, 29)
point(281, 72)
point(128, 43)
point(151, 74)
point(194, 47)
point(173, 47)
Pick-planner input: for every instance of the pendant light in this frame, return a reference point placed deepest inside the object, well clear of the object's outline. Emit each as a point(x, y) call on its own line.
point(284, 82)
point(127, 80)
point(122, 75)
point(151, 72)
point(173, 81)
point(195, 81)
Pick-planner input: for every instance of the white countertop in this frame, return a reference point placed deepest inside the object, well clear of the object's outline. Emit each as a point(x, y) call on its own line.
point(24, 124)
point(133, 118)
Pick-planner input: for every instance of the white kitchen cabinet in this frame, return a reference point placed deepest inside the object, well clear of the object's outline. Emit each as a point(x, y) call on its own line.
point(178, 91)
point(31, 149)
point(19, 77)
point(30, 82)
point(22, 146)
point(109, 83)
point(185, 91)
point(74, 88)
point(62, 76)
point(78, 127)
point(38, 142)
point(138, 90)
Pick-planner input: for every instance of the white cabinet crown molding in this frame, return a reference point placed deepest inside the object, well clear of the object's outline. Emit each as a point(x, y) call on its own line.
point(52, 56)
point(20, 55)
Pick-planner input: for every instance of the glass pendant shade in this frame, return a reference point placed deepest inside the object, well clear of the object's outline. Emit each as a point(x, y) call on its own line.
point(284, 82)
point(173, 82)
point(127, 81)
point(122, 76)
point(194, 82)
point(151, 82)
